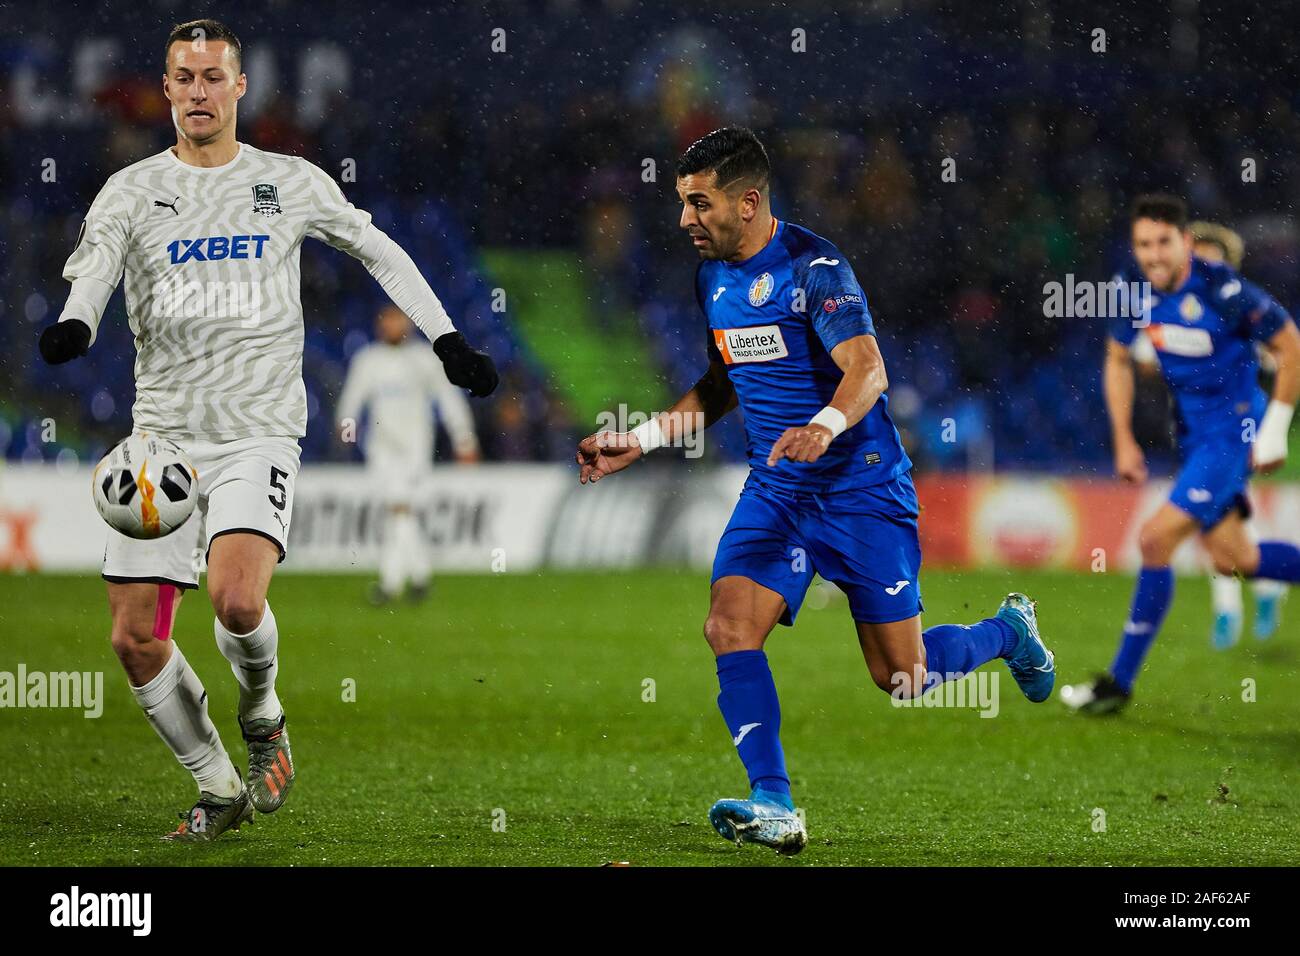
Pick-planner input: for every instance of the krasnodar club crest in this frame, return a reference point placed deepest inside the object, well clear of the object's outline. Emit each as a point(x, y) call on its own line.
point(266, 200)
point(761, 289)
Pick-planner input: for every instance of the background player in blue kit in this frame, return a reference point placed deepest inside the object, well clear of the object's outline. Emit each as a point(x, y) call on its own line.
point(1215, 243)
point(1204, 321)
point(791, 341)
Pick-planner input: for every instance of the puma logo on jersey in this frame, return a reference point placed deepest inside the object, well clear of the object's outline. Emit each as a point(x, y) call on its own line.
point(168, 205)
point(823, 261)
point(759, 343)
point(721, 289)
point(897, 587)
point(215, 248)
point(744, 730)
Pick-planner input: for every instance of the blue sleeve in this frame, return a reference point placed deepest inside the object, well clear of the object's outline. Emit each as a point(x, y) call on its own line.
point(834, 301)
point(1120, 325)
point(1259, 315)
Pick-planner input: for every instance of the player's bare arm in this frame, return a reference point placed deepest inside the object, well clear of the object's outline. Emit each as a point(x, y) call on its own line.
point(708, 400)
point(1117, 384)
point(864, 382)
point(1269, 452)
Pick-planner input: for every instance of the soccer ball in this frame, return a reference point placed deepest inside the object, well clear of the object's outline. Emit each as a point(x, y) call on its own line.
point(145, 487)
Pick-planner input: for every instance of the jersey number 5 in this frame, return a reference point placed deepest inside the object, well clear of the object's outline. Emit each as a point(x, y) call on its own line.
point(278, 485)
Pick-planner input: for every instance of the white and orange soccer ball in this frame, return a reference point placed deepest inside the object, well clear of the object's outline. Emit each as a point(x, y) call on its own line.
point(146, 487)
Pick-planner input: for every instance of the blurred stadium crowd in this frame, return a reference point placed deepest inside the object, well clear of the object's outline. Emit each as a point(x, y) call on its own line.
point(459, 150)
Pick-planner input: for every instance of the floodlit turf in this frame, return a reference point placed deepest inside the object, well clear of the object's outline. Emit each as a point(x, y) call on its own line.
point(518, 701)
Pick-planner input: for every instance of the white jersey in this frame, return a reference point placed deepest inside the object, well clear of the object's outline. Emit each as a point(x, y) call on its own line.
point(211, 266)
point(399, 385)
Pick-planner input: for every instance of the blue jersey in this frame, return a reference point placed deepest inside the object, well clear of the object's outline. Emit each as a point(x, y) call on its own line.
point(1205, 334)
point(773, 321)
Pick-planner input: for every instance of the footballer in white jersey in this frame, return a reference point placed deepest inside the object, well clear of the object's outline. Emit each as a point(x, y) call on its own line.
point(205, 237)
point(398, 382)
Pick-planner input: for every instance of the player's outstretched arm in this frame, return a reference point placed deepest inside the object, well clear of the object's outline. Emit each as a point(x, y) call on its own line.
point(94, 268)
point(1269, 452)
point(398, 275)
point(71, 335)
point(1118, 387)
point(343, 226)
point(606, 452)
point(863, 383)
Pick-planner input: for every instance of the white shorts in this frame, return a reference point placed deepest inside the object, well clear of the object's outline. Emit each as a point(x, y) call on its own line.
point(399, 480)
point(244, 485)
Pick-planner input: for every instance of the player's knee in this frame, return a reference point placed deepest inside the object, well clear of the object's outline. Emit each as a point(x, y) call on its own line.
point(238, 609)
point(1225, 566)
point(134, 644)
point(1155, 545)
point(1225, 561)
point(902, 678)
point(128, 637)
point(728, 634)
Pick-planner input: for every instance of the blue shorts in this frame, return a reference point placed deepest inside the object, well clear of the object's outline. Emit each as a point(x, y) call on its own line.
point(1213, 481)
point(865, 540)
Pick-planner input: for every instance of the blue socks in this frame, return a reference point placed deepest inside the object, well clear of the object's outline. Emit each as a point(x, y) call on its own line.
point(753, 714)
point(1155, 589)
point(961, 648)
point(1278, 561)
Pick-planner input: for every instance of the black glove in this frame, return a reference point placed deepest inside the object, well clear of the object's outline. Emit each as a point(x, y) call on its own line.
point(465, 367)
point(64, 341)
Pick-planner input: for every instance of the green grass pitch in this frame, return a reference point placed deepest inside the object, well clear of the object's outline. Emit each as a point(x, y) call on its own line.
point(503, 722)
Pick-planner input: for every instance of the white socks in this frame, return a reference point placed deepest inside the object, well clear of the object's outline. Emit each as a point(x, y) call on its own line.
point(1264, 588)
point(419, 562)
point(404, 556)
point(176, 705)
point(252, 658)
point(1225, 592)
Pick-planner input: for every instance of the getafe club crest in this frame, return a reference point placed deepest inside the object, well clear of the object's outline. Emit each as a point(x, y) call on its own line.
point(761, 289)
point(266, 200)
point(1190, 308)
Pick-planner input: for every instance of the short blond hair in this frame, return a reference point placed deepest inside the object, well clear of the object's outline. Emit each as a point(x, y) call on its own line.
point(1234, 249)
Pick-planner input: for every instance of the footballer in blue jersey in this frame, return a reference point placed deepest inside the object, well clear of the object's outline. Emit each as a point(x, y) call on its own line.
point(791, 341)
point(1204, 321)
point(1216, 243)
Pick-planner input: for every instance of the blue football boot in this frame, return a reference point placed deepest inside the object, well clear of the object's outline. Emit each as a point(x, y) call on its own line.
point(1031, 663)
point(1227, 630)
point(1268, 614)
point(766, 818)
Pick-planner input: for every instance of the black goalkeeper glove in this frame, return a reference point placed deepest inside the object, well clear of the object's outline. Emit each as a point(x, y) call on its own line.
point(64, 341)
point(465, 367)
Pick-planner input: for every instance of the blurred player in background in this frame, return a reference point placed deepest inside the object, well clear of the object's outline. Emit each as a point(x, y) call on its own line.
point(791, 342)
point(400, 381)
point(1215, 243)
point(207, 234)
point(1204, 320)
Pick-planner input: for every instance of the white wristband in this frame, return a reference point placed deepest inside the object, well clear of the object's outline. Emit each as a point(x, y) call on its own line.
point(832, 418)
point(649, 435)
point(1270, 440)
